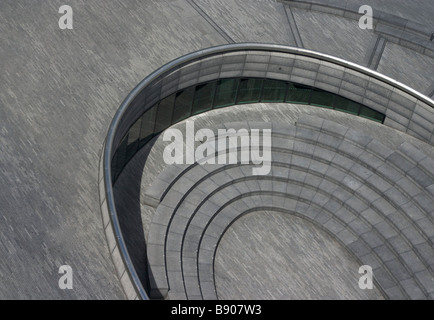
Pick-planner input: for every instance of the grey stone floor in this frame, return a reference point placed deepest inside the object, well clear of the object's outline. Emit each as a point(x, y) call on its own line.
point(408, 67)
point(272, 255)
point(58, 93)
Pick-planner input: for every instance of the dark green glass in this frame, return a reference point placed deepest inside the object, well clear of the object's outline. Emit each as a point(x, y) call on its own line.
point(114, 165)
point(346, 105)
point(368, 113)
point(133, 139)
point(183, 103)
point(148, 123)
point(249, 90)
point(164, 113)
point(119, 158)
point(274, 91)
point(203, 97)
point(226, 93)
point(322, 98)
point(298, 93)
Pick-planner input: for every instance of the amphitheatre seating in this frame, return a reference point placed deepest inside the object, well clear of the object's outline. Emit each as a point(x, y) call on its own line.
point(376, 201)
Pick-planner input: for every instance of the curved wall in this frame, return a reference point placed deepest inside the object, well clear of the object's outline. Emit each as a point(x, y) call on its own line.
point(221, 93)
point(404, 109)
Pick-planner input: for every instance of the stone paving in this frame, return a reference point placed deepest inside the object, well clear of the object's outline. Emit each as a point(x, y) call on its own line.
point(59, 90)
point(326, 271)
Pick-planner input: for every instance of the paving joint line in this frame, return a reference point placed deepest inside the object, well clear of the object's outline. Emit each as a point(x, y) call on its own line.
point(211, 21)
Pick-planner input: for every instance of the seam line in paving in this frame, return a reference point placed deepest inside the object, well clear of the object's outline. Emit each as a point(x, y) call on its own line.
point(211, 21)
point(378, 53)
point(430, 91)
point(371, 51)
point(293, 27)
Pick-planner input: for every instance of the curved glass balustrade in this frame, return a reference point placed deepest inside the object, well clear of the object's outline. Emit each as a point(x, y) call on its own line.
point(223, 93)
point(242, 73)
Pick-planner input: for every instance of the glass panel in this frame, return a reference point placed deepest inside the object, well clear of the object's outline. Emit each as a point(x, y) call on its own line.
point(148, 123)
point(133, 139)
point(249, 90)
point(114, 166)
point(203, 97)
point(183, 102)
point(298, 93)
point(274, 91)
point(221, 93)
point(346, 105)
point(118, 160)
point(164, 113)
point(368, 113)
point(226, 93)
point(322, 98)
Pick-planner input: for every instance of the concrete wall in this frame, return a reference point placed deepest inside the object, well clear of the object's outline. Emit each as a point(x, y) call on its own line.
point(406, 110)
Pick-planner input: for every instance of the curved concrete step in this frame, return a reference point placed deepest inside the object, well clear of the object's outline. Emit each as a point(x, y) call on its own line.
point(174, 218)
